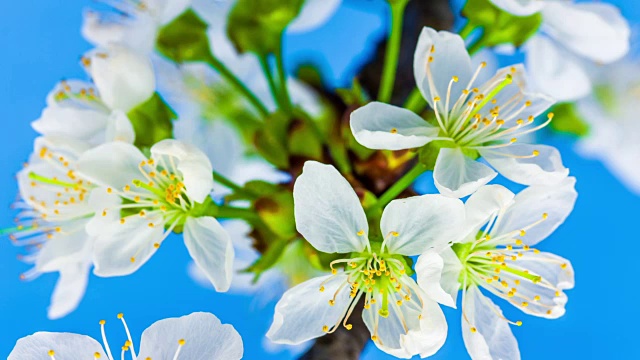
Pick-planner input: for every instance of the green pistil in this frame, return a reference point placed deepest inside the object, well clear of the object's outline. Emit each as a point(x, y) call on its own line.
point(508, 80)
point(45, 180)
point(152, 189)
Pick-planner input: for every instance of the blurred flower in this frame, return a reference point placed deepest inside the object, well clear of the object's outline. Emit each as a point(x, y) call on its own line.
point(199, 335)
point(96, 112)
point(611, 113)
point(169, 191)
point(573, 36)
point(133, 23)
point(402, 319)
point(497, 255)
point(471, 121)
point(51, 224)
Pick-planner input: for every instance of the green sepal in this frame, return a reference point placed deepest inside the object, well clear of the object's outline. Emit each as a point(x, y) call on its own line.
point(184, 39)
point(152, 121)
point(268, 259)
point(500, 27)
point(257, 25)
point(567, 120)
point(271, 140)
point(354, 96)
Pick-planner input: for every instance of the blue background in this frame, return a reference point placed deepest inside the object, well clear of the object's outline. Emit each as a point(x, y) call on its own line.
point(41, 44)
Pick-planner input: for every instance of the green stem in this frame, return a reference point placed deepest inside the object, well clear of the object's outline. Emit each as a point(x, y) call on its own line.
point(392, 52)
point(404, 182)
point(220, 179)
point(282, 76)
point(229, 212)
point(415, 102)
point(266, 69)
point(237, 84)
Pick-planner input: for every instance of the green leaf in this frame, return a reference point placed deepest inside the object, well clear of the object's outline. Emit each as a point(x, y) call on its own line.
point(152, 121)
point(276, 211)
point(500, 27)
point(257, 25)
point(567, 120)
point(184, 39)
point(268, 258)
point(304, 140)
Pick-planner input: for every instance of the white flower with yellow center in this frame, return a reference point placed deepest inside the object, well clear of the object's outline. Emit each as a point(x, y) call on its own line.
point(199, 335)
point(155, 196)
point(97, 112)
point(498, 256)
point(472, 120)
point(54, 212)
point(573, 38)
point(402, 319)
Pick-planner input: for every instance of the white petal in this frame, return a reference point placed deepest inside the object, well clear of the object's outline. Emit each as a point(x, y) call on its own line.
point(114, 165)
point(204, 335)
point(418, 326)
point(543, 298)
point(124, 248)
point(421, 223)
point(194, 165)
point(556, 71)
point(493, 338)
point(438, 274)
point(313, 14)
point(381, 126)
point(168, 10)
point(123, 76)
point(596, 31)
point(450, 59)
point(66, 346)
point(210, 247)
point(63, 249)
point(484, 204)
point(119, 128)
point(546, 168)
point(69, 290)
point(327, 210)
point(556, 201)
point(520, 7)
point(457, 175)
point(70, 121)
point(303, 310)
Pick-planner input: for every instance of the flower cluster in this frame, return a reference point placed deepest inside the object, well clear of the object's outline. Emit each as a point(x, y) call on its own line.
point(191, 127)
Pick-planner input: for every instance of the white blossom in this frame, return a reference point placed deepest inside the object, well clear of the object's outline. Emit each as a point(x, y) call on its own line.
point(472, 120)
point(498, 255)
point(199, 335)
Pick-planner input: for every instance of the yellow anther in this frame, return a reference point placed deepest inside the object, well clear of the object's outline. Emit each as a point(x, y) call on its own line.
point(557, 293)
point(125, 348)
point(151, 225)
point(548, 312)
point(525, 304)
point(526, 247)
point(394, 233)
point(436, 99)
point(517, 282)
point(348, 326)
point(51, 352)
point(360, 233)
point(109, 190)
point(120, 315)
point(325, 328)
point(455, 78)
point(399, 302)
point(545, 215)
point(518, 241)
point(504, 283)
point(122, 221)
point(564, 266)
point(536, 298)
point(550, 116)
point(96, 355)
point(321, 288)
point(509, 247)
point(102, 322)
point(527, 103)
point(519, 323)
point(127, 343)
point(133, 259)
point(374, 338)
point(483, 64)
point(156, 245)
point(142, 213)
point(474, 330)
point(334, 271)
point(535, 153)
point(393, 131)
point(332, 302)
point(181, 342)
point(536, 251)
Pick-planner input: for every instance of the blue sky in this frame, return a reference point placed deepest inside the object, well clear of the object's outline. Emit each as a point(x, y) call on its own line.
point(42, 44)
